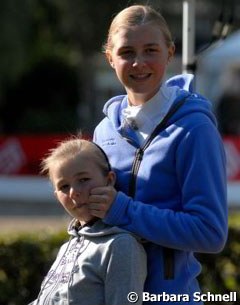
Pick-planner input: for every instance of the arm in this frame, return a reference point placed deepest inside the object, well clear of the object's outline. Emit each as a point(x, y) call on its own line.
point(201, 224)
point(126, 270)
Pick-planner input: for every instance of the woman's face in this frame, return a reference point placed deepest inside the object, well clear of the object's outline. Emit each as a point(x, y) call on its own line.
point(140, 56)
point(73, 179)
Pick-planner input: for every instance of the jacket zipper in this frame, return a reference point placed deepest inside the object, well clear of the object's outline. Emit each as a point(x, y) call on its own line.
point(168, 253)
point(140, 151)
point(135, 168)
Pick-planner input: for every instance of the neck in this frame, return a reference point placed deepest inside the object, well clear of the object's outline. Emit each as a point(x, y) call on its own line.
point(137, 99)
point(88, 223)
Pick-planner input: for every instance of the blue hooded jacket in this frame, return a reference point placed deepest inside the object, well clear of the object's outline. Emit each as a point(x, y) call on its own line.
point(180, 205)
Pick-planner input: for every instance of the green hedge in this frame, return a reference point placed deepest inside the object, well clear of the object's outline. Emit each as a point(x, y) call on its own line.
point(221, 272)
point(25, 259)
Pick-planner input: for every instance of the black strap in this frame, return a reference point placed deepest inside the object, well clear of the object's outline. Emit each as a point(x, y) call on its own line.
point(139, 152)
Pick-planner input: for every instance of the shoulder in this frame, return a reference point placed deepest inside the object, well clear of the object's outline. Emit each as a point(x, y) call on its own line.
point(102, 123)
point(195, 111)
point(113, 236)
point(116, 100)
point(126, 242)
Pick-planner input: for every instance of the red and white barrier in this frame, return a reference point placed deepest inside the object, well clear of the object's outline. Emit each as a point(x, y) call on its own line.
point(20, 157)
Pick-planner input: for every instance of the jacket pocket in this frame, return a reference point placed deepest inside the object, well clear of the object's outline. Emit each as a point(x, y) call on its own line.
point(168, 263)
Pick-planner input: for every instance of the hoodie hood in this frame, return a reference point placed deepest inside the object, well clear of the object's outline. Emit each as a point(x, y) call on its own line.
point(195, 102)
point(182, 81)
point(97, 229)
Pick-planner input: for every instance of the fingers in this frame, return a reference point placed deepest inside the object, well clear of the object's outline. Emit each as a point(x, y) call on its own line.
point(97, 199)
point(100, 190)
point(97, 213)
point(102, 194)
point(100, 200)
point(98, 209)
point(98, 206)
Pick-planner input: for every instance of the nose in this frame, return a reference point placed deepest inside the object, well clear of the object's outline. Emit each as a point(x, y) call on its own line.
point(75, 192)
point(139, 60)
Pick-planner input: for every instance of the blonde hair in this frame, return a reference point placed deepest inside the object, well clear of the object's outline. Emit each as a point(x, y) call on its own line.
point(138, 15)
point(71, 148)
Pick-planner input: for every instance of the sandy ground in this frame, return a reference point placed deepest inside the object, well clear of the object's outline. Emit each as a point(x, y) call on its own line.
point(25, 224)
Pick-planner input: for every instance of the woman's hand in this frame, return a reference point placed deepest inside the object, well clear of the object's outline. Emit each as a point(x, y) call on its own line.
point(101, 199)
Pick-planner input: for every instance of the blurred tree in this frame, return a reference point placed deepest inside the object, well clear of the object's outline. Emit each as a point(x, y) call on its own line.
point(43, 100)
point(33, 30)
point(14, 24)
point(71, 31)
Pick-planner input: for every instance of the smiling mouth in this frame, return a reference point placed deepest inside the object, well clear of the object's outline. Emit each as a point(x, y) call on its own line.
point(140, 77)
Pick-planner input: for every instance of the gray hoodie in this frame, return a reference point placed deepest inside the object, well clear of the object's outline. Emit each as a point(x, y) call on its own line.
point(100, 265)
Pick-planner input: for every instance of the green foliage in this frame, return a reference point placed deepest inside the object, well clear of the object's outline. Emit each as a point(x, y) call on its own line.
point(33, 29)
point(221, 272)
point(49, 93)
point(25, 260)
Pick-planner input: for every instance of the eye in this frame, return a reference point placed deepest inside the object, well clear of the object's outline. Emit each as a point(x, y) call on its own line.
point(151, 50)
point(64, 188)
point(126, 53)
point(82, 180)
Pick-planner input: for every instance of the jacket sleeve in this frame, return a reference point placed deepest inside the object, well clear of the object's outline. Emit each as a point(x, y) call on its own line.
point(201, 224)
point(125, 271)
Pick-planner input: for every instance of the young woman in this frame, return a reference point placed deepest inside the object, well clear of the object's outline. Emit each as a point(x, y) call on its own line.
point(101, 264)
point(163, 144)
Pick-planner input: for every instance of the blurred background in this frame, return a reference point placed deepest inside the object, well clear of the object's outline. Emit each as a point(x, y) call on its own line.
point(54, 81)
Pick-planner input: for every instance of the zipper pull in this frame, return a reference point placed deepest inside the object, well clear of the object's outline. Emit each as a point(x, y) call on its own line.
point(139, 153)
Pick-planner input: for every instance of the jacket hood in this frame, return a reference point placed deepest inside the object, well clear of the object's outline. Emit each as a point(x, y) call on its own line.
point(97, 229)
point(195, 102)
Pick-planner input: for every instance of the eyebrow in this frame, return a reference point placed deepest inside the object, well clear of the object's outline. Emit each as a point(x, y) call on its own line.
point(81, 173)
point(75, 175)
point(153, 44)
point(145, 45)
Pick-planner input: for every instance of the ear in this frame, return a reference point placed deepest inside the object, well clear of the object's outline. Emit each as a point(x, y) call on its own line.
point(171, 51)
point(109, 58)
point(111, 177)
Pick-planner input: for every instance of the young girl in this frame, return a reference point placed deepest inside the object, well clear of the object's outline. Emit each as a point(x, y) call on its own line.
point(100, 265)
point(164, 146)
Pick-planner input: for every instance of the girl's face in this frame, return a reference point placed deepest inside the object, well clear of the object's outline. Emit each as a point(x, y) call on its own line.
point(73, 179)
point(140, 57)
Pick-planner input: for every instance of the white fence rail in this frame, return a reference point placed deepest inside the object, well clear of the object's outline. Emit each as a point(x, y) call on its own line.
point(33, 189)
